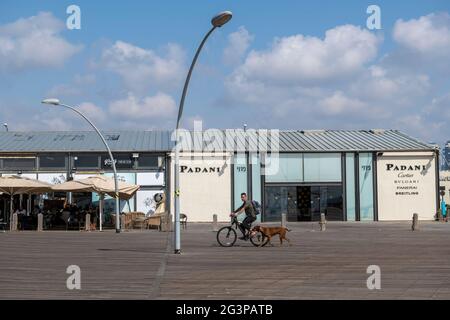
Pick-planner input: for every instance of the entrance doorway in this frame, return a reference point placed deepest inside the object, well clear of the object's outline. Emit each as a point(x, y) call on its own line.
point(303, 203)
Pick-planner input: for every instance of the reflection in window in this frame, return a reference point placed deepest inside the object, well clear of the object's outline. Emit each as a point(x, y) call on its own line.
point(149, 161)
point(366, 187)
point(86, 161)
point(290, 168)
point(19, 163)
point(52, 161)
point(303, 203)
point(350, 186)
point(322, 167)
point(240, 178)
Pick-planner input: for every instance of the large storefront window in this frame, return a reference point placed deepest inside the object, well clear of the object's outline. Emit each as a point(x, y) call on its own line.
point(290, 168)
point(303, 203)
point(240, 178)
point(350, 186)
point(366, 187)
point(322, 167)
point(256, 179)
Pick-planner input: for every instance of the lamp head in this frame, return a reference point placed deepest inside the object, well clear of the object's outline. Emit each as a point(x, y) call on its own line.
point(221, 18)
point(51, 101)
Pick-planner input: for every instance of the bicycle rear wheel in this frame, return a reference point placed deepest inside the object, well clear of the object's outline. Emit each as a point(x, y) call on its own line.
point(259, 240)
point(226, 236)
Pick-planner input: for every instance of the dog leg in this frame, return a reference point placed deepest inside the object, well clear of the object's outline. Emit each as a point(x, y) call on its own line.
point(262, 240)
point(269, 241)
point(289, 241)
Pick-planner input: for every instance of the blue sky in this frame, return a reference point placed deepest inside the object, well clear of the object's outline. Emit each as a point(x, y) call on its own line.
point(277, 64)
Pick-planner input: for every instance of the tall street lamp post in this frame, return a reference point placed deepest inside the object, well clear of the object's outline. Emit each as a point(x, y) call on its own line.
point(217, 21)
point(56, 102)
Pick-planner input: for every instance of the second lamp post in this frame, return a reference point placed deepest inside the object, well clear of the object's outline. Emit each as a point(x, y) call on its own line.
point(217, 21)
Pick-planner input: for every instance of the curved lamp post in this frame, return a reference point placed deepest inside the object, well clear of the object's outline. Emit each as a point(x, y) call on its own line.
point(217, 21)
point(56, 102)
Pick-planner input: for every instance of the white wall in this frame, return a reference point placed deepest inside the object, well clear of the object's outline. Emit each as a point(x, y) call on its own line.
point(203, 194)
point(403, 188)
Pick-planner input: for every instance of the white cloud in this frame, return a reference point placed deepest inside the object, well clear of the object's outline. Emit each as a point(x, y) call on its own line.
point(154, 107)
point(428, 34)
point(34, 42)
point(78, 87)
point(92, 111)
point(339, 103)
point(141, 68)
point(238, 43)
point(334, 82)
point(382, 84)
point(306, 60)
point(56, 123)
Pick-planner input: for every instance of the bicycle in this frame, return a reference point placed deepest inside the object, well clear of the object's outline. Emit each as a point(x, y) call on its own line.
point(227, 236)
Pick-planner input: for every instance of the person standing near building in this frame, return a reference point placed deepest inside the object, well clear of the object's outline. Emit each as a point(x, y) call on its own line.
point(443, 209)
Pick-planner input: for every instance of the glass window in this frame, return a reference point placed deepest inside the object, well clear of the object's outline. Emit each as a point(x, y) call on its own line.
point(331, 203)
point(275, 202)
point(149, 161)
point(303, 203)
point(256, 180)
point(123, 161)
point(150, 178)
point(19, 163)
point(86, 161)
point(366, 187)
point(240, 178)
point(284, 168)
point(145, 201)
point(52, 161)
point(322, 167)
point(350, 186)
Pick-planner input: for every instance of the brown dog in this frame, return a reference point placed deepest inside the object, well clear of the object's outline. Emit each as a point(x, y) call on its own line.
point(269, 232)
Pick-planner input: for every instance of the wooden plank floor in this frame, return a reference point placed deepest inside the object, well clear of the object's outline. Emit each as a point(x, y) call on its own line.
point(318, 265)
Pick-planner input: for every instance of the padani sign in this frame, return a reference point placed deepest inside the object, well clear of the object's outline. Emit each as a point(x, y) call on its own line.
point(406, 185)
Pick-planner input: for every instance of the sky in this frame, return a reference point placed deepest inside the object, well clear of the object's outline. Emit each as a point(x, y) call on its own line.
point(277, 64)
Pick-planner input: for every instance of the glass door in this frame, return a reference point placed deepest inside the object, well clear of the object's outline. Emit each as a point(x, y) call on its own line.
point(303, 203)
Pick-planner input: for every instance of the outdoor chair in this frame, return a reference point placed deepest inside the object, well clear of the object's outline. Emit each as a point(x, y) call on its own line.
point(139, 221)
point(155, 220)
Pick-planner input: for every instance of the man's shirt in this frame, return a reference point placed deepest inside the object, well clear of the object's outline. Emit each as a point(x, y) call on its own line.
point(248, 208)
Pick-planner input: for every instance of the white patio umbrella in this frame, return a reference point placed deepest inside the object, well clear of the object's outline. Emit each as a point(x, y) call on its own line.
point(13, 185)
point(101, 185)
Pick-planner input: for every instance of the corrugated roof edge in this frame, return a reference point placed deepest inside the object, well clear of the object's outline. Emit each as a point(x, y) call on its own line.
point(431, 146)
point(421, 146)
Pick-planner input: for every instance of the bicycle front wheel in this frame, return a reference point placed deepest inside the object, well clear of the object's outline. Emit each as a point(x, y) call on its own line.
point(226, 236)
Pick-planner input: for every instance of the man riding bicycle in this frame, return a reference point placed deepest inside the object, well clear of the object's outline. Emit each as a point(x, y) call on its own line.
point(250, 212)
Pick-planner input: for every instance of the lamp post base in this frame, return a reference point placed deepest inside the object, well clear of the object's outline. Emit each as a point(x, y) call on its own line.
point(117, 230)
point(177, 251)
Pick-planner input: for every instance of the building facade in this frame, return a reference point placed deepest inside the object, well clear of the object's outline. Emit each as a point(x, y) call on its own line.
point(364, 175)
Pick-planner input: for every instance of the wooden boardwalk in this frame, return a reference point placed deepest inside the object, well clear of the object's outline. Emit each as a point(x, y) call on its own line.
point(319, 265)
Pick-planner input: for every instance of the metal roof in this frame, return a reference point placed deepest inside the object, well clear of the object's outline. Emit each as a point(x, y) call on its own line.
point(83, 141)
point(233, 140)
